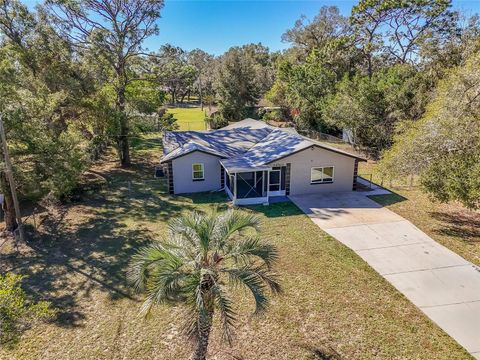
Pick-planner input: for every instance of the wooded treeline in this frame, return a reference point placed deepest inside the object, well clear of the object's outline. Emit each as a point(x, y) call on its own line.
point(75, 78)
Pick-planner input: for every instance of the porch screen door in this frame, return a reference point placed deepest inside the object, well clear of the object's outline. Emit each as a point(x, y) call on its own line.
point(276, 182)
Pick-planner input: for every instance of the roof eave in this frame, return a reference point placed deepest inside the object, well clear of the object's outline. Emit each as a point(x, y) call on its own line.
point(163, 160)
point(330, 148)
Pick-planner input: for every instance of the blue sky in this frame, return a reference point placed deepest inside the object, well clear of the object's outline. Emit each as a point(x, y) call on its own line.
point(216, 25)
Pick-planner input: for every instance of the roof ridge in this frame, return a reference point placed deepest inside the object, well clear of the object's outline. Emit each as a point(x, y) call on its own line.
point(331, 148)
point(257, 141)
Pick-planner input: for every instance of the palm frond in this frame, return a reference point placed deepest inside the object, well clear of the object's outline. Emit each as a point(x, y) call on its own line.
point(163, 275)
point(232, 222)
point(195, 307)
point(249, 278)
point(166, 286)
point(250, 249)
point(227, 314)
point(190, 323)
point(183, 229)
point(205, 230)
point(145, 258)
point(269, 277)
point(194, 229)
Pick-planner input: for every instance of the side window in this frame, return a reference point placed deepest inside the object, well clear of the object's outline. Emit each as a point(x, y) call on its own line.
point(198, 172)
point(320, 175)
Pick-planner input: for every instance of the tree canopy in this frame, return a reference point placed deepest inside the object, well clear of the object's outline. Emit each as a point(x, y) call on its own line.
point(75, 78)
point(443, 147)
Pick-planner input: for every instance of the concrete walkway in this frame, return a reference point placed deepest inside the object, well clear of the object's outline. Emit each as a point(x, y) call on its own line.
point(442, 284)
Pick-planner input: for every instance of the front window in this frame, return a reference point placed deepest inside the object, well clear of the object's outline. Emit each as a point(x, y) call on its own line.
point(197, 172)
point(321, 175)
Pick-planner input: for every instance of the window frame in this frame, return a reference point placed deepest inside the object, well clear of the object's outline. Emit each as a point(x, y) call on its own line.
point(279, 184)
point(198, 171)
point(322, 181)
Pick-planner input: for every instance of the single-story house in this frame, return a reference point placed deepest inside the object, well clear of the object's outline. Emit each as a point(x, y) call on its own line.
point(252, 162)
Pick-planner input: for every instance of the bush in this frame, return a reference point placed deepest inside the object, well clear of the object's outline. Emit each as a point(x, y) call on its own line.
point(16, 313)
point(216, 121)
point(276, 114)
point(168, 123)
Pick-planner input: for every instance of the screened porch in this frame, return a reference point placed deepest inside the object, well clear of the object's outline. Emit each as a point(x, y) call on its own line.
point(255, 187)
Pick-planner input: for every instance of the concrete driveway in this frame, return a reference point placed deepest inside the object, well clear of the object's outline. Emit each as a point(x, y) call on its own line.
point(442, 284)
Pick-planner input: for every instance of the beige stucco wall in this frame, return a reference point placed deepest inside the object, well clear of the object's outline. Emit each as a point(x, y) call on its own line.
point(182, 173)
point(303, 161)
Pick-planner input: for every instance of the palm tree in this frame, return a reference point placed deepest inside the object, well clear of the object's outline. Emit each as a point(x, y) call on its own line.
point(204, 256)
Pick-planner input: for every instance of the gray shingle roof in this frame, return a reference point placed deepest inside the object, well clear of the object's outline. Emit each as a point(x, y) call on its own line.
point(247, 144)
point(275, 145)
point(225, 142)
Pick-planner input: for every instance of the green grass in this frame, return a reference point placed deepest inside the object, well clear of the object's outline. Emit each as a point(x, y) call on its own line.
point(333, 305)
point(190, 118)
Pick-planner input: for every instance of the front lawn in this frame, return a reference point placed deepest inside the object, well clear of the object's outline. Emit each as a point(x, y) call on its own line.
point(334, 306)
point(189, 118)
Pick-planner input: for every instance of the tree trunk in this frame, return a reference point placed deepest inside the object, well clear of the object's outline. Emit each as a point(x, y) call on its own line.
point(369, 66)
point(8, 206)
point(200, 91)
point(204, 327)
point(123, 145)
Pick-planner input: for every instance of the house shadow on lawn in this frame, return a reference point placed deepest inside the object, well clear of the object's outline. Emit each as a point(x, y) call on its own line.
point(386, 200)
point(277, 209)
point(216, 199)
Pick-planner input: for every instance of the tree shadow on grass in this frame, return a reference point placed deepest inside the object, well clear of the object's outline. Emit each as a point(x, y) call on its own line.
point(83, 249)
point(323, 352)
point(139, 144)
point(464, 225)
point(71, 262)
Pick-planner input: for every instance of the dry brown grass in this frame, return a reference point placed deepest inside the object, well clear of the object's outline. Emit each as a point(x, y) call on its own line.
point(334, 306)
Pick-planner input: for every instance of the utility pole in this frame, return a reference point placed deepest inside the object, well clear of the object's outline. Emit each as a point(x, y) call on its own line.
point(11, 181)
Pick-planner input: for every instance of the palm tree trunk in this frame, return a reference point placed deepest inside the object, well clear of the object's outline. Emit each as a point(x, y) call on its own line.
point(204, 327)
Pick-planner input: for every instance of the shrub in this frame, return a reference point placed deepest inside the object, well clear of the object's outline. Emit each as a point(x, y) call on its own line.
point(276, 114)
point(16, 313)
point(168, 123)
point(216, 121)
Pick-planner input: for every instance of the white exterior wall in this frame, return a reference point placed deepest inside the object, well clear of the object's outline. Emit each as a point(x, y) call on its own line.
point(182, 173)
point(303, 161)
